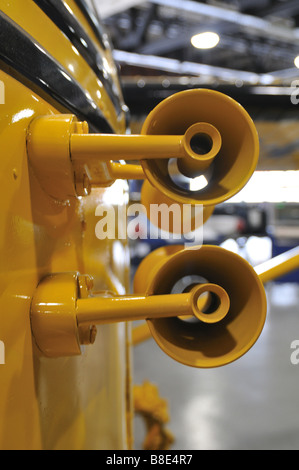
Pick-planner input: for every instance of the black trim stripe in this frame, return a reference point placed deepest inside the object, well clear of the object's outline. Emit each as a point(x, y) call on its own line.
point(69, 25)
point(28, 59)
point(94, 23)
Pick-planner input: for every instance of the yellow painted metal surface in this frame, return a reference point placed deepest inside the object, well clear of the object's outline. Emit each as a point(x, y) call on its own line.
point(66, 166)
point(236, 160)
point(175, 129)
point(154, 411)
point(65, 310)
point(49, 36)
point(140, 333)
point(202, 145)
point(187, 221)
point(63, 403)
point(279, 265)
point(67, 384)
point(105, 54)
point(237, 317)
point(268, 271)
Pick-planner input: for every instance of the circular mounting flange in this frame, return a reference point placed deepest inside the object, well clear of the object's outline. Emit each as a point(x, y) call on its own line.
point(228, 171)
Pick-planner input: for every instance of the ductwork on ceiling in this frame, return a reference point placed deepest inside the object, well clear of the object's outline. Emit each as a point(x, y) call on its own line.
point(259, 39)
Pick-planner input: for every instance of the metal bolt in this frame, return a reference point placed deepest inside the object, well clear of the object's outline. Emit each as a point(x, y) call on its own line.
point(89, 282)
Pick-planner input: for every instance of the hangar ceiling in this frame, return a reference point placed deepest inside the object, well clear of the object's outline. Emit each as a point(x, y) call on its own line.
point(259, 40)
point(258, 36)
point(253, 61)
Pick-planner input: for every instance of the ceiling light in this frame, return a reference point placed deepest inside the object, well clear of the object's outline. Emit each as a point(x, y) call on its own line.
point(296, 61)
point(205, 40)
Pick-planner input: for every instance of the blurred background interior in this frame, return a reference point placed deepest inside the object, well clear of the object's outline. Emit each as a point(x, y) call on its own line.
point(248, 49)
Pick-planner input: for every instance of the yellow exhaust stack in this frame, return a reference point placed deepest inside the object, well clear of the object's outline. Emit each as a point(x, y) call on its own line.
point(213, 341)
point(213, 320)
point(192, 133)
point(225, 147)
point(190, 217)
point(219, 314)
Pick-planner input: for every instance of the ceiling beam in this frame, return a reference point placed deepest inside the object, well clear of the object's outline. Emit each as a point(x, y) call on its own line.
point(186, 68)
point(283, 10)
point(190, 68)
point(112, 7)
point(249, 23)
point(258, 49)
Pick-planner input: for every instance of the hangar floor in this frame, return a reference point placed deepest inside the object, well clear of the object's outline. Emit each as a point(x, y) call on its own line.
point(251, 404)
